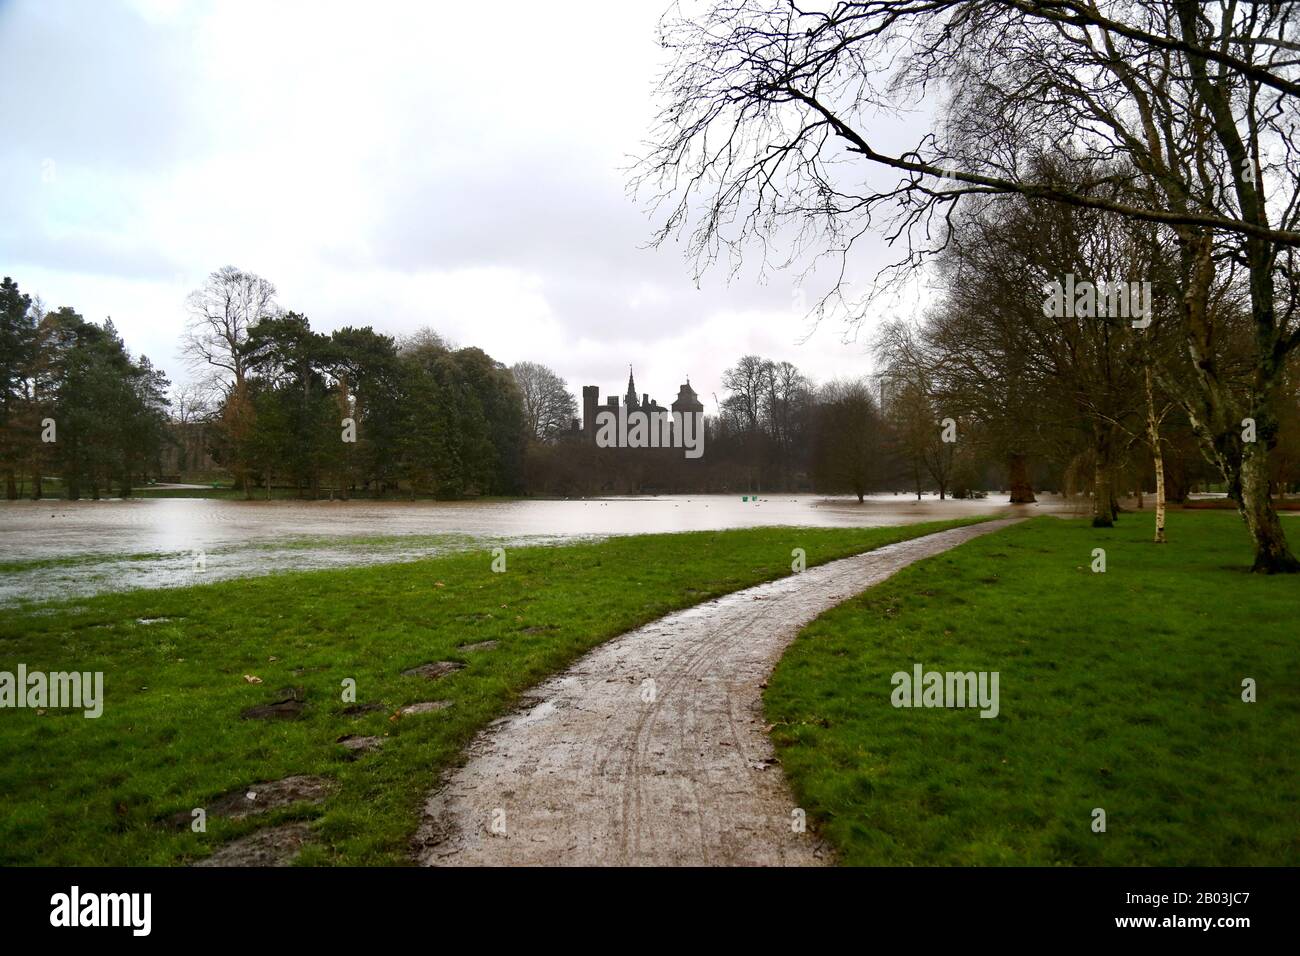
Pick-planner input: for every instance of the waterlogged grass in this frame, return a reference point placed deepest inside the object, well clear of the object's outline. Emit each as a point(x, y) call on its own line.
point(77, 560)
point(35, 580)
point(375, 543)
point(1120, 691)
point(88, 792)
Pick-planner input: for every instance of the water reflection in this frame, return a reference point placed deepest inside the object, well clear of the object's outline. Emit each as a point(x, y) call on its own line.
point(253, 537)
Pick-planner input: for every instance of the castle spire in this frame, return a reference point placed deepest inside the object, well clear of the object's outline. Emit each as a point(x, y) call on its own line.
point(631, 401)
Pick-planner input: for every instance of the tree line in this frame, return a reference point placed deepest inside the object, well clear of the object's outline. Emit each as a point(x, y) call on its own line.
point(1167, 125)
point(74, 402)
point(969, 399)
point(279, 405)
point(351, 412)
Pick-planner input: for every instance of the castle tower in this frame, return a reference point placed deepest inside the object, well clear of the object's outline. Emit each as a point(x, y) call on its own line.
point(687, 400)
point(631, 401)
point(590, 399)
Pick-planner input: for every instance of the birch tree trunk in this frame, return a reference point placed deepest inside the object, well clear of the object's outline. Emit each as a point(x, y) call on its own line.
point(1158, 458)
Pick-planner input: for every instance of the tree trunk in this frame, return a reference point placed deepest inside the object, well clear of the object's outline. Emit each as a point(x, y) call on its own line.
point(1251, 483)
point(11, 485)
point(1271, 553)
point(1022, 492)
point(1160, 496)
point(1103, 501)
point(1157, 458)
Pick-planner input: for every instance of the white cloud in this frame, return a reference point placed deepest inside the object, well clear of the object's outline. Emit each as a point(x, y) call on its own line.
point(386, 164)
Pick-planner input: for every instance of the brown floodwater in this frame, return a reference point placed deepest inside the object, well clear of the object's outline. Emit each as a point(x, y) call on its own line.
point(84, 547)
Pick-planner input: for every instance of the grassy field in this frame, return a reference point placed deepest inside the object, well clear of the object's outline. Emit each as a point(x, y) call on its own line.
point(1119, 690)
point(100, 791)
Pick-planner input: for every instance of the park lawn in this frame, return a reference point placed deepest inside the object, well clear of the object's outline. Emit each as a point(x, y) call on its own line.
point(1119, 690)
point(80, 791)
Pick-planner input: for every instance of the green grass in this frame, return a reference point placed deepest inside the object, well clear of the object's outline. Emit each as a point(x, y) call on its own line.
point(90, 792)
point(1119, 690)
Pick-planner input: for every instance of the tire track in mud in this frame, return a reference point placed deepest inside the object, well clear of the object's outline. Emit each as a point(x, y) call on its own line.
point(589, 773)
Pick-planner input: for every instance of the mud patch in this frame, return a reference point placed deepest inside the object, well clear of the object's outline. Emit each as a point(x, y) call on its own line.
point(288, 705)
point(276, 846)
point(260, 797)
point(358, 746)
point(434, 670)
point(356, 710)
point(279, 710)
point(424, 707)
point(480, 646)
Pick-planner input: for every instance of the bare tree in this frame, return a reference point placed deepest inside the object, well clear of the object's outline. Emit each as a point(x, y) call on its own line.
point(921, 446)
point(222, 312)
point(749, 382)
point(192, 403)
point(786, 408)
point(773, 118)
point(549, 406)
point(424, 342)
point(849, 451)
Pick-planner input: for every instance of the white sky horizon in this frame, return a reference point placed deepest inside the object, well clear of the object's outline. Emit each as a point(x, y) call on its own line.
point(392, 165)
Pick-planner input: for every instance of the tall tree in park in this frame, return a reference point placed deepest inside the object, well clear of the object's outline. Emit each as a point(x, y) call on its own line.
point(285, 361)
point(549, 406)
point(463, 429)
point(924, 438)
point(222, 313)
point(774, 118)
point(40, 387)
point(766, 416)
point(850, 447)
point(747, 383)
point(17, 353)
point(366, 368)
point(977, 348)
point(490, 387)
point(108, 410)
point(1011, 346)
point(786, 412)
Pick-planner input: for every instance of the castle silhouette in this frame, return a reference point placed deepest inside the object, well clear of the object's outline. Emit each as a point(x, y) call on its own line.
point(687, 402)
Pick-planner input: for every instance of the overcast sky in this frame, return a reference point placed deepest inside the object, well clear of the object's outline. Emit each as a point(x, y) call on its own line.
point(398, 165)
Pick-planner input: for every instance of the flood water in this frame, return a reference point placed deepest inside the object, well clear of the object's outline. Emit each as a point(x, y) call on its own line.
point(84, 547)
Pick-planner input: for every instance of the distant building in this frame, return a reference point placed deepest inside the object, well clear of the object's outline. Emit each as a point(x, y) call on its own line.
point(687, 402)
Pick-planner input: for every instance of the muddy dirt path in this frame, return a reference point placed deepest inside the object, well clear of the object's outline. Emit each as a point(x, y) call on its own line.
point(596, 770)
